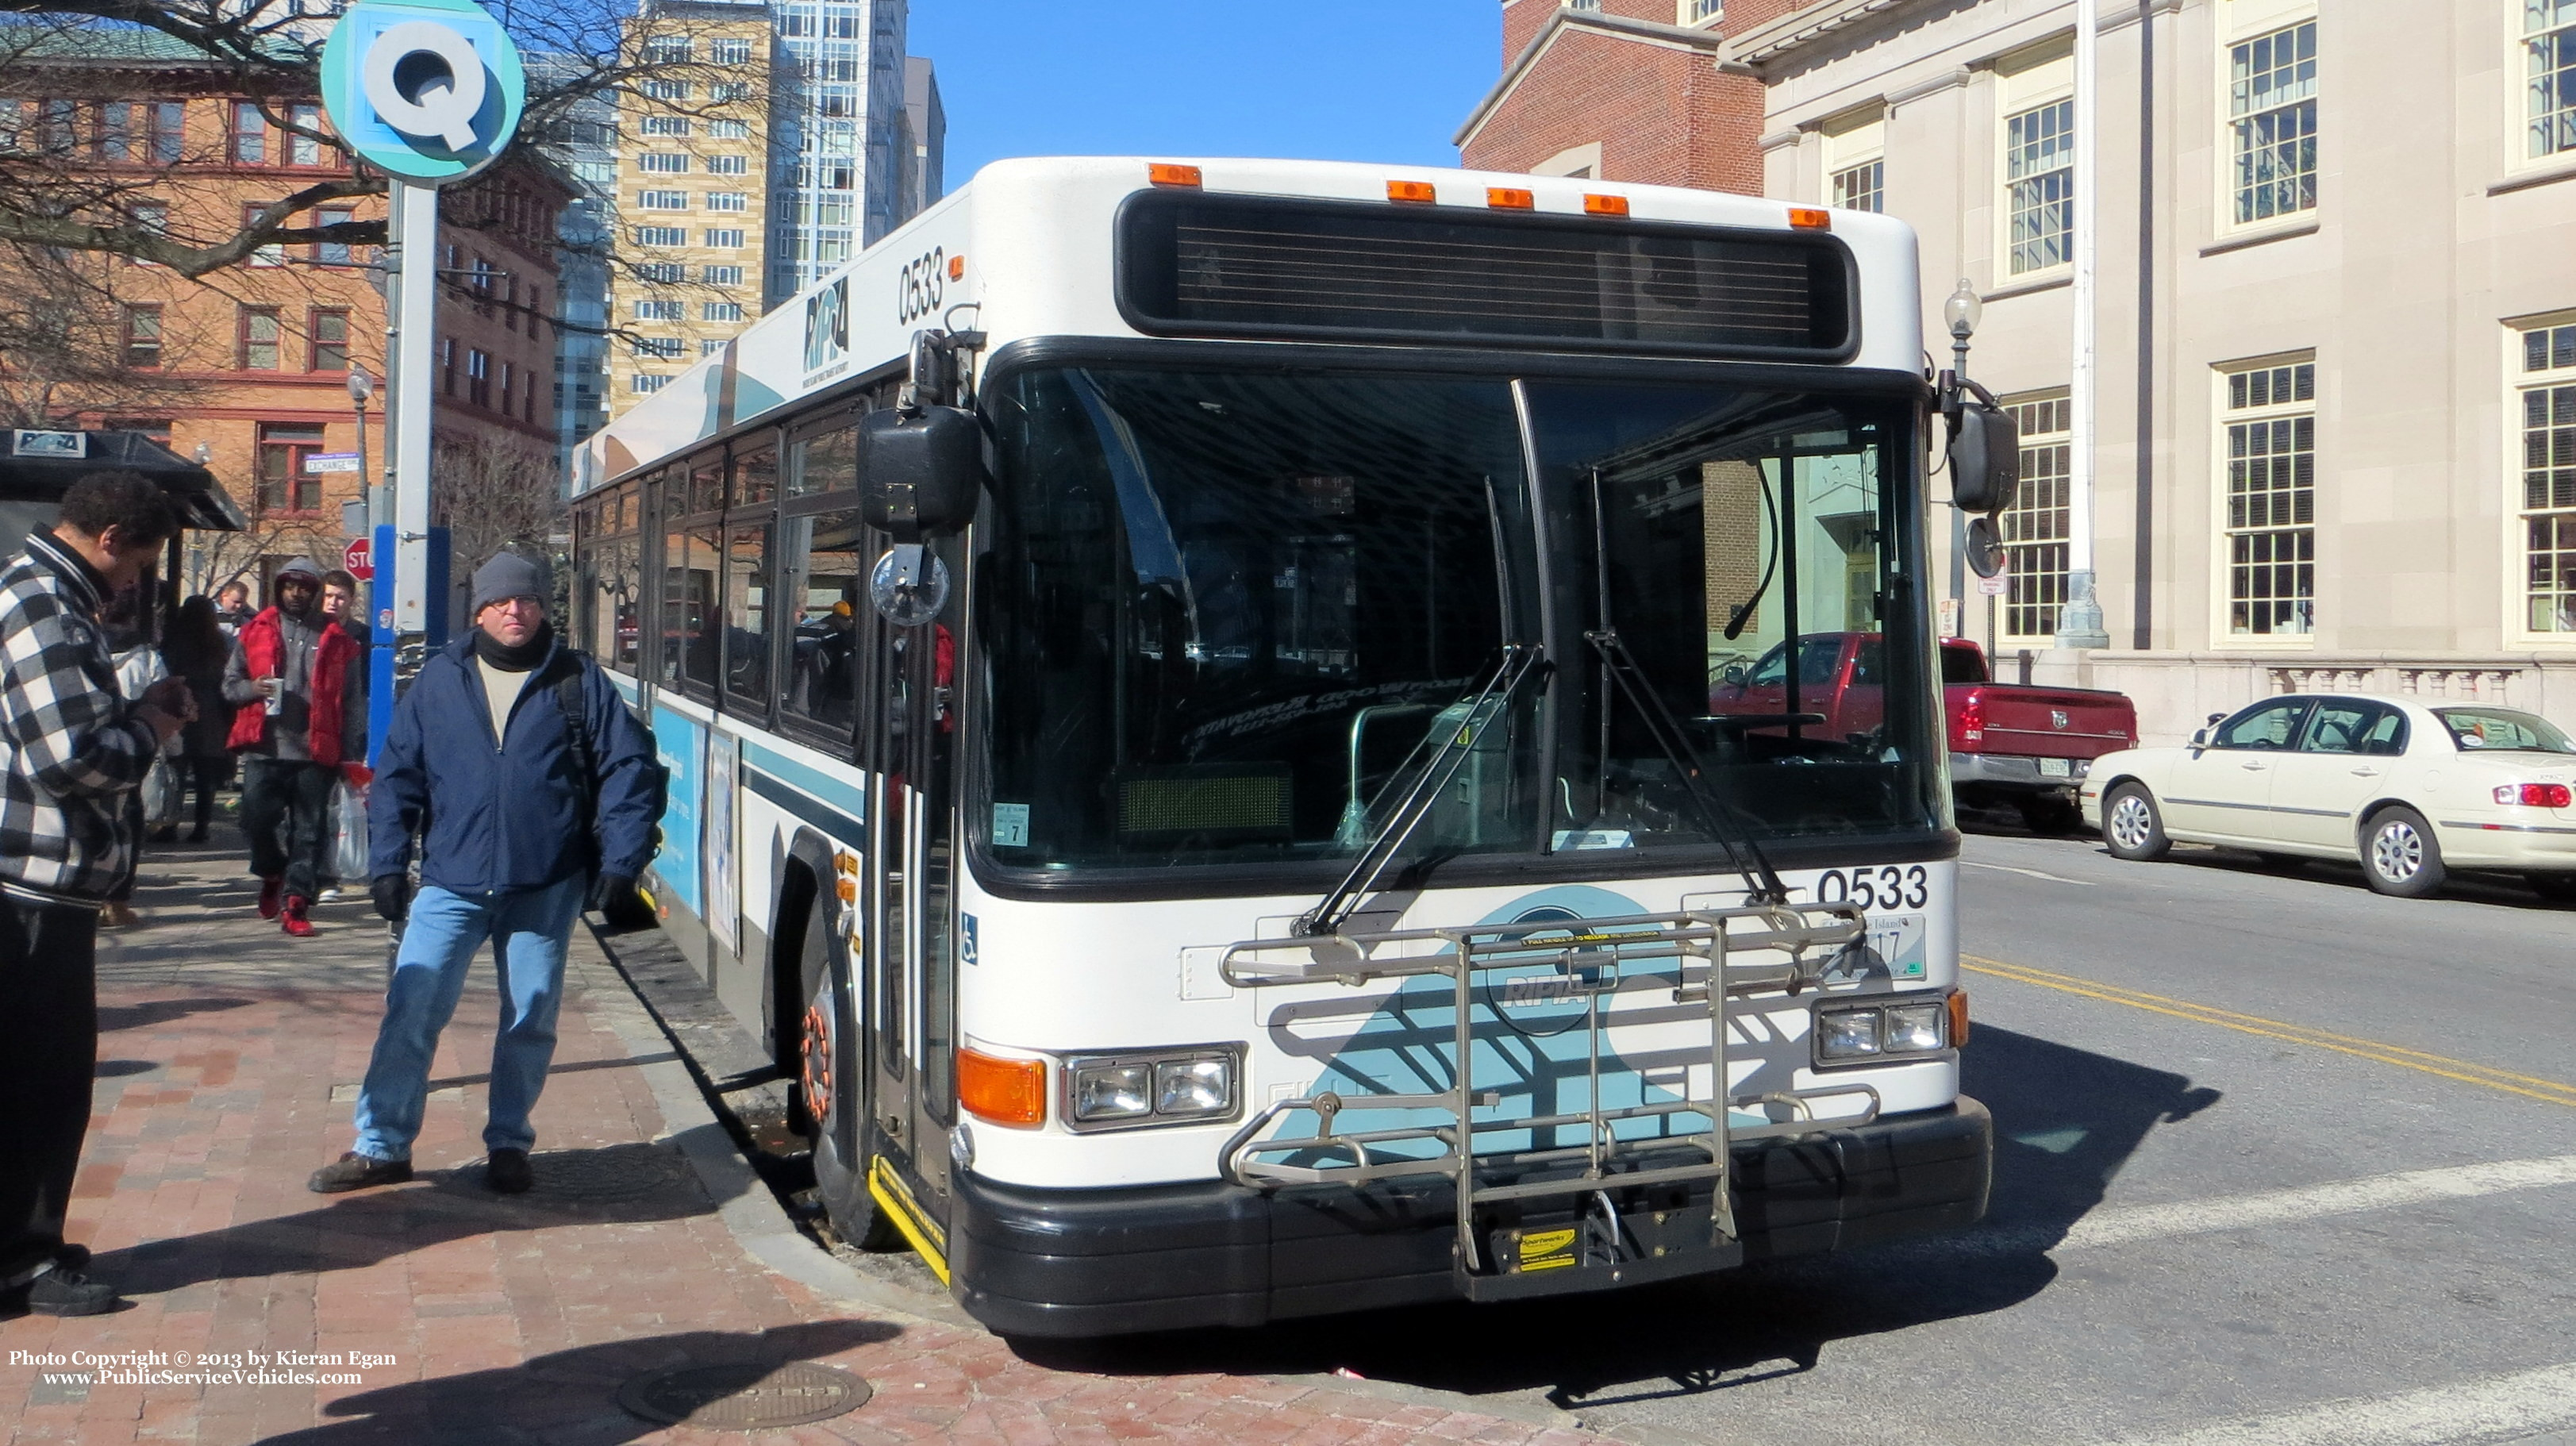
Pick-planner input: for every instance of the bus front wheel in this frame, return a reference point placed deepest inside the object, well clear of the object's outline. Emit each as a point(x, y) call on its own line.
point(831, 1090)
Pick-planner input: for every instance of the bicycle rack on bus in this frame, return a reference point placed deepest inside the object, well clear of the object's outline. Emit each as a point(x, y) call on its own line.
point(1712, 955)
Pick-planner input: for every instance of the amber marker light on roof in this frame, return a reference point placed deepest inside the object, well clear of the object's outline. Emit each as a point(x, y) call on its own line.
point(1811, 218)
point(1164, 173)
point(956, 268)
point(1605, 205)
point(1504, 198)
point(1411, 191)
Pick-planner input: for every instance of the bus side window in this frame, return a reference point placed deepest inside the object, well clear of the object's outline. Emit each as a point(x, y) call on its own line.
point(820, 567)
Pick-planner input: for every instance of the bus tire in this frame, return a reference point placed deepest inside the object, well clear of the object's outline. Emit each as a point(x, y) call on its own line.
point(2132, 828)
point(831, 1089)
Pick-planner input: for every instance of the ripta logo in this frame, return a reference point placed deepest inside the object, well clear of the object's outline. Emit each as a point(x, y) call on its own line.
point(827, 326)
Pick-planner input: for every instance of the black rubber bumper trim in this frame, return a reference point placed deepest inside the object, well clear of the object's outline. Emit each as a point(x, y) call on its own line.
point(1172, 1257)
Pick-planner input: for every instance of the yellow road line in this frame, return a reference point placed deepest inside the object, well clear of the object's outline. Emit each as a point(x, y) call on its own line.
point(2378, 1051)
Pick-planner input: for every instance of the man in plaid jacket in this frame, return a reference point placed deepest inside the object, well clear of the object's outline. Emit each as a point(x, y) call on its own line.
point(72, 752)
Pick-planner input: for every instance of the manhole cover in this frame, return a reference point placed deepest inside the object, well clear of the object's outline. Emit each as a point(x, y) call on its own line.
point(746, 1396)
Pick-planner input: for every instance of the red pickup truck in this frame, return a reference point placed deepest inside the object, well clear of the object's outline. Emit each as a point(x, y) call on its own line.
point(2015, 744)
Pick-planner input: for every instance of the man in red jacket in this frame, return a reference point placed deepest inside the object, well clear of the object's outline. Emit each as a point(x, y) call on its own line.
point(299, 688)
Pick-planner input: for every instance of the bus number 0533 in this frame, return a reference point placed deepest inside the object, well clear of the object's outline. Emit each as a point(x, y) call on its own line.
point(1891, 887)
point(918, 289)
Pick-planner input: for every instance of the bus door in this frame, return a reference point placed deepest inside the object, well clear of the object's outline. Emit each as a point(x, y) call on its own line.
point(911, 748)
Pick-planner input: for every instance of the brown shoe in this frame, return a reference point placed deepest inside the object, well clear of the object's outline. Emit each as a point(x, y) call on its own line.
point(117, 914)
point(354, 1171)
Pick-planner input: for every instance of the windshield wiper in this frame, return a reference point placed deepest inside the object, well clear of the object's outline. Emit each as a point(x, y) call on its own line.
point(1718, 818)
point(1520, 662)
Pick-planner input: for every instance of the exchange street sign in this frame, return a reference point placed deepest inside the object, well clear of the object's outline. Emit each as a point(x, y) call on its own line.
point(331, 462)
point(428, 90)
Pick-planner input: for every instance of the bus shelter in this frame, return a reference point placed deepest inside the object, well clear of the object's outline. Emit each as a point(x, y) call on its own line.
point(38, 467)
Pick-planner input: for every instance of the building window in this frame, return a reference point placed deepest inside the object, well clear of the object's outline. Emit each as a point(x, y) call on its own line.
point(143, 336)
point(2272, 109)
point(284, 485)
point(271, 254)
point(301, 149)
point(249, 134)
point(663, 125)
point(646, 383)
point(729, 90)
point(722, 311)
point(1859, 187)
point(1699, 12)
point(721, 275)
point(727, 239)
point(727, 130)
point(330, 337)
point(662, 236)
point(2039, 174)
point(478, 377)
point(447, 365)
point(168, 120)
point(666, 90)
point(666, 50)
point(710, 345)
point(2271, 418)
point(728, 201)
point(2035, 527)
point(730, 52)
point(662, 163)
point(256, 338)
point(2549, 61)
point(662, 200)
point(656, 346)
point(671, 272)
point(728, 165)
point(334, 253)
point(151, 218)
point(2547, 413)
point(661, 310)
point(509, 387)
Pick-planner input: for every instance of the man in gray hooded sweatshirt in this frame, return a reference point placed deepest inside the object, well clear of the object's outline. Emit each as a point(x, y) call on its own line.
point(299, 687)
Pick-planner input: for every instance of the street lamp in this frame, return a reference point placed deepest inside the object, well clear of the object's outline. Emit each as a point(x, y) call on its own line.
point(1962, 311)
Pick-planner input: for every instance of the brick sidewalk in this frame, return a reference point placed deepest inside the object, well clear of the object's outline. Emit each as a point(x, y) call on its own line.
point(228, 1057)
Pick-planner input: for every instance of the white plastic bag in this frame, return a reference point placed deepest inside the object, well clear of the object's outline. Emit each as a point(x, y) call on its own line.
point(349, 846)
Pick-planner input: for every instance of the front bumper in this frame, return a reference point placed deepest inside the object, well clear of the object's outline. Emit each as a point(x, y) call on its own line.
point(1169, 1257)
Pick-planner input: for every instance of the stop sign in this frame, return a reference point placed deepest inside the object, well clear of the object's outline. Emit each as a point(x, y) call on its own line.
point(356, 557)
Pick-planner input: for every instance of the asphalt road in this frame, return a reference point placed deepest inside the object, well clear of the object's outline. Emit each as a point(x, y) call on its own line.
point(2280, 1161)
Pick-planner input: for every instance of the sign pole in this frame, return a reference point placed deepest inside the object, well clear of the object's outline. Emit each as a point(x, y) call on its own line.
point(412, 377)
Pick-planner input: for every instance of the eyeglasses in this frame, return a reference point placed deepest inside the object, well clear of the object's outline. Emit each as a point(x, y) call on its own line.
point(518, 604)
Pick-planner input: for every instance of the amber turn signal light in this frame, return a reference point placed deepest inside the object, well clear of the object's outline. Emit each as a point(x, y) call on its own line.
point(1002, 1091)
point(1811, 218)
point(1605, 205)
point(1411, 191)
point(957, 268)
point(1958, 1018)
point(1164, 173)
point(1507, 199)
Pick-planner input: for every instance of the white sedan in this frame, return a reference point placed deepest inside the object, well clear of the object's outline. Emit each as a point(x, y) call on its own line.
point(2414, 788)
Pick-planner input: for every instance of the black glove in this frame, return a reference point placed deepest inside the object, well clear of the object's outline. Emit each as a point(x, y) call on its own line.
point(608, 889)
point(393, 897)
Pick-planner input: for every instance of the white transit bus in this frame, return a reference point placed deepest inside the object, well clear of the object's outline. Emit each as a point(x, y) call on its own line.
point(1187, 689)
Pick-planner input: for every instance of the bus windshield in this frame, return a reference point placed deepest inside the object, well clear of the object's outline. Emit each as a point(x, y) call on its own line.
point(1223, 615)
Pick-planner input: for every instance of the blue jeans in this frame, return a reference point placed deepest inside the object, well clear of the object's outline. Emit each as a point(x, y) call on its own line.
point(530, 930)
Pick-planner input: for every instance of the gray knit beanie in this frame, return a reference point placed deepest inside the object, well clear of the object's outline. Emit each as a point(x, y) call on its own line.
point(506, 576)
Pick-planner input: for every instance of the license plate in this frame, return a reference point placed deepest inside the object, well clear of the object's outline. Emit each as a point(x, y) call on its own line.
point(1898, 940)
point(2056, 768)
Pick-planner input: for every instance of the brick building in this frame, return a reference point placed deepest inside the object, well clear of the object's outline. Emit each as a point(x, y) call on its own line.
point(247, 366)
point(1623, 90)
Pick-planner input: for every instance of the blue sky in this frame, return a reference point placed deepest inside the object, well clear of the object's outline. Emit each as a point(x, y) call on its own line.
point(1334, 80)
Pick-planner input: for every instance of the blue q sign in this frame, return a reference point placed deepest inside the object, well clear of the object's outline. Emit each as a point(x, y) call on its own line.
point(427, 90)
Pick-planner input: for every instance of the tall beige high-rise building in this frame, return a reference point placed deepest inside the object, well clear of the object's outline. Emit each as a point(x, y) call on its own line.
point(693, 190)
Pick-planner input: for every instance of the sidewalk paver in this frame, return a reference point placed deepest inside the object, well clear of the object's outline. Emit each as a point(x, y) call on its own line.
point(438, 1312)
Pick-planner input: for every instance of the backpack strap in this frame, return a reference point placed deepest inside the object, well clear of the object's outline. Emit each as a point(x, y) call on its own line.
point(585, 752)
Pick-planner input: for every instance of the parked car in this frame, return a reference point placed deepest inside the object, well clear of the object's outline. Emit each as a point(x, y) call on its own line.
point(2412, 787)
point(2015, 744)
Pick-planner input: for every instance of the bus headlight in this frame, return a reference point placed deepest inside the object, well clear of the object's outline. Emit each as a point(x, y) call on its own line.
point(1889, 1030)
point(1112, 1092)
point(1162, 1087)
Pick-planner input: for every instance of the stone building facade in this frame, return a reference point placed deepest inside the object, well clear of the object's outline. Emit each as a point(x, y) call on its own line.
point(2335, 441)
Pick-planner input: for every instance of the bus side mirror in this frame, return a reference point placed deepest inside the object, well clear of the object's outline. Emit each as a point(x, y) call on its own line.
point(920, 472)
point(1985, 458)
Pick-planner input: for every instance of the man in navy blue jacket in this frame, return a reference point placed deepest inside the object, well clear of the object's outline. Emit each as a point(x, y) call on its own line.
point(482, 762)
